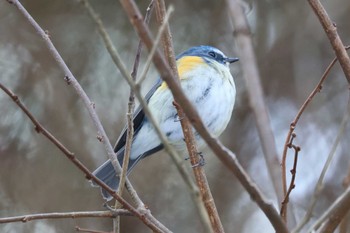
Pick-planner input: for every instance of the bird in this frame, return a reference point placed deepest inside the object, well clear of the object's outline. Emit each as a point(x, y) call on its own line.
point(206, 81)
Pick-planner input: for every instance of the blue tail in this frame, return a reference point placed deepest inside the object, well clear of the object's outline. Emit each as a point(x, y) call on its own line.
point(107, 174)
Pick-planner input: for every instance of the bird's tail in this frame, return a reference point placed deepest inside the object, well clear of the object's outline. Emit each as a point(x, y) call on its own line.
point(107, 174)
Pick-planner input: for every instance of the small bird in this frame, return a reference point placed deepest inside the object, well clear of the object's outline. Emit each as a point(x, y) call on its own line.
point(206, 81)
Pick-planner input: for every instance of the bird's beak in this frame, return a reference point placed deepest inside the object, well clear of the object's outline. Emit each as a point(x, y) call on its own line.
point(231, 59)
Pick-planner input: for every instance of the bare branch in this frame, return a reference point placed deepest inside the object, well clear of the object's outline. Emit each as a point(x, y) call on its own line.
point(295, 122)
point(333, 215)
point(255, 93)
point(210, 217)
point(331, 31)
point(40, 129)
point(319, 185)
point(69, 77)
point(79, 214)
point(130, 122)
point(293, 172)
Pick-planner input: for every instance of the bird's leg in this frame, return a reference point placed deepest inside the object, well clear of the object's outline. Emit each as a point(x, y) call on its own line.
point(177, 118)
point(201, 161)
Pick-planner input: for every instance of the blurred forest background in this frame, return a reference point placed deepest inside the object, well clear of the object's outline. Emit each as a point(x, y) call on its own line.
point(292, 53)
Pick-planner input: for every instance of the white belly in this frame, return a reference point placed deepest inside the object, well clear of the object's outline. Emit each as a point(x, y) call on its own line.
point(213, 96)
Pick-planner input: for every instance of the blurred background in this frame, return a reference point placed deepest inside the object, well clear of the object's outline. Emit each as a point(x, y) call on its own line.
point(292, 53)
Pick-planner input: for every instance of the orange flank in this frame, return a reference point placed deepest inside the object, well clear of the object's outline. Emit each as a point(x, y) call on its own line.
point(184, 65)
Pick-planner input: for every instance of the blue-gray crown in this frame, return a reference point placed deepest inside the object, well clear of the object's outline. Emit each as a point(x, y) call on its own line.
point(208, 53)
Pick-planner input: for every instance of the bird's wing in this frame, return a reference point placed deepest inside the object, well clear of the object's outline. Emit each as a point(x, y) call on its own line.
point(138, 118)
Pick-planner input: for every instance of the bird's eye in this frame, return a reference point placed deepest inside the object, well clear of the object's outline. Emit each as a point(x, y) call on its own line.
point(212, 54)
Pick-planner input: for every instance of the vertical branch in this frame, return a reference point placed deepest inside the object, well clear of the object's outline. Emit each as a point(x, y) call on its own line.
point(131, 107)
point(130, 121)
point(293, 172)
point(190, 140)
point(256, 96)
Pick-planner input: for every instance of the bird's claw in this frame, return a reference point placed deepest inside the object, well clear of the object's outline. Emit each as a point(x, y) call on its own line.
point(201, 161)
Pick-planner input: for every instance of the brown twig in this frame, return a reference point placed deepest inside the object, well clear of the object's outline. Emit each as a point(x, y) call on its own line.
point(68, 77)
point(226, 156)
point(79, 214)
point(130, 122)
point(319, 185)
point(293, 172)
point(110, 46)
point(70, 155)
point(210, 218)
point(131, 107)
point(331, 31)
point(256, 96)
point(293, 125)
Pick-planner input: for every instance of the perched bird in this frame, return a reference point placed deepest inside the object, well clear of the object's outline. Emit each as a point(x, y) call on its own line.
point(207, 82)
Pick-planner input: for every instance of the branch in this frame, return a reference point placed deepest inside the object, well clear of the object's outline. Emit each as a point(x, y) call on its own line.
point(81, 214)
point(334, 214)
point(130, 122)
point(319, 185)
point(256, 96)
point(210, 217)
point(294, 123)
point(69, 77)
point(40, 129)
point(293, 172)
point(226, 156)
point(330, 29)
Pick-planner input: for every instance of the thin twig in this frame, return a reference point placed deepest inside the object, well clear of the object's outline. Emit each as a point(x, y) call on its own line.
point(40, 129)
point(69, 77)
point(79, 229)
point(78, 214)
point(210, 217)
point(294, 123)
point(226, 156)
point(319, 185)
point(255, 92)
point(131, 107)
point(293, 172)
point(130, 122)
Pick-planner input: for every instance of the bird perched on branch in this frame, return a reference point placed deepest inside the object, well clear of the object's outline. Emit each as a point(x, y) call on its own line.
point(206, 81)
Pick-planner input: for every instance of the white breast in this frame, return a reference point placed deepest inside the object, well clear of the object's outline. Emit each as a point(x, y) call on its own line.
point(212, 91)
